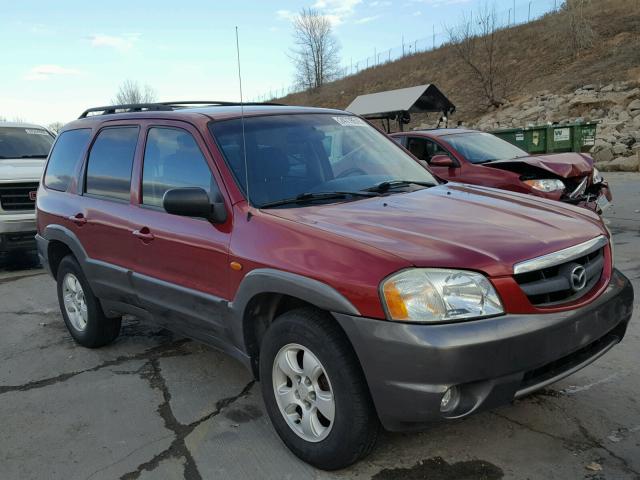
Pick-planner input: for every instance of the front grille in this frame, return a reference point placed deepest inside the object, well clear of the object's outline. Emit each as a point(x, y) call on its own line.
point(552, 285)
point(17, 196)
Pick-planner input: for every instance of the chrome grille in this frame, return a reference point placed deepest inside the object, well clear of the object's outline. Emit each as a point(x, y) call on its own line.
point(18, 196)
point(574, 273)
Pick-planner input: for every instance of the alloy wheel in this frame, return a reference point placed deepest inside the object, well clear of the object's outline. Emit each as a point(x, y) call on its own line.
point(303, 392)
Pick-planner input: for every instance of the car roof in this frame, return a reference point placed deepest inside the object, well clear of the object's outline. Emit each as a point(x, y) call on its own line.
point(21, 125)
point(440, 132)
point(222, 112)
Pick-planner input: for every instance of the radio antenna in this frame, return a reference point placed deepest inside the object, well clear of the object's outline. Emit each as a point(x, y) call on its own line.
point(244, 140)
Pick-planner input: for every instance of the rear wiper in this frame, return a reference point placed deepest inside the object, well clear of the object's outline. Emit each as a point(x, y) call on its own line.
point(33, 156)
point(310, 196)
point(388, 185)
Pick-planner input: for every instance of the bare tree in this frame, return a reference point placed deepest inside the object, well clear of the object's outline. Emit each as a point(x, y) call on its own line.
point(55, 127)
point(131, 92)
point(316, 51)
point(578, 25)
point(478, 42)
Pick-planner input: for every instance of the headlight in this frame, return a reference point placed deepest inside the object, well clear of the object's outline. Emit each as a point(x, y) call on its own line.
point(546, 185)
point(437, 295)
point(597, 177)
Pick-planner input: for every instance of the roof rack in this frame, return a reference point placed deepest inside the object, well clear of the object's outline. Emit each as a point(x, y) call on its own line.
point(164, 106)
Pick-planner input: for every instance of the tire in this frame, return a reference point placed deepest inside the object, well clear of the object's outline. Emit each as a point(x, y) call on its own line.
point(83, 313)
point(308, 334)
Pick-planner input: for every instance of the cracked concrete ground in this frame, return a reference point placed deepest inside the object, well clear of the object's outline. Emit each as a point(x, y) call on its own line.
point(154, 406)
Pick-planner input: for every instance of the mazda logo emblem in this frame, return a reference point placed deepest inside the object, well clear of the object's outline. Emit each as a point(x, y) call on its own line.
point(578, 278)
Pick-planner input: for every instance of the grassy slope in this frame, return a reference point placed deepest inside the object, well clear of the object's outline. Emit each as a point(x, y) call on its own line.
point(537, 58)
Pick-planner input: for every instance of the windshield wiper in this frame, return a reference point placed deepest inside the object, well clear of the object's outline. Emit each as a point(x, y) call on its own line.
point(33, 156)
point(310, 196)
point(391, 184)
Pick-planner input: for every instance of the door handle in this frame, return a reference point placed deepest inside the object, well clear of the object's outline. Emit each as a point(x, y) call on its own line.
point(78, 219)
point(143, 234)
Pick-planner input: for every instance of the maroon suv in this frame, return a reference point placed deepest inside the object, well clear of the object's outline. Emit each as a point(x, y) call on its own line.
point(479, 158)
point(316, 251)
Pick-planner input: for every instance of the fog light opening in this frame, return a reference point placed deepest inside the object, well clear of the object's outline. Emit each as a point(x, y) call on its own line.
point(450, 399)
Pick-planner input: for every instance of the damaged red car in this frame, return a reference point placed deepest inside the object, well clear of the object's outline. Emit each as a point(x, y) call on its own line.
point(479, 158)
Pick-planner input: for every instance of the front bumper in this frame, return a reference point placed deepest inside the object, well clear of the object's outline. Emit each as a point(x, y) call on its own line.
point(590, 198)
point(409, 367)
point(17, 231)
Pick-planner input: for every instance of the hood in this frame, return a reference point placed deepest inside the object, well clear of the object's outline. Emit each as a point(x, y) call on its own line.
point(21, 169)
point(455, 225)
point(564, 165)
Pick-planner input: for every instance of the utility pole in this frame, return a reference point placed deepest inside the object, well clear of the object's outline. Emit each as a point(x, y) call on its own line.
point(509, 18)
point(529, 14)
point(433, 28)
point(375, 56)
point(514, 12)
point(403, 45)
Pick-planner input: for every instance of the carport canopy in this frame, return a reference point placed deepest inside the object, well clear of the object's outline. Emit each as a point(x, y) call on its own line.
point(393, 104)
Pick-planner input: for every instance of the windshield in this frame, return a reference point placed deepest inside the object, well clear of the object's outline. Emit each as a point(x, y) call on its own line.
point(294, 155)
point(18, 142)
point(480, 147)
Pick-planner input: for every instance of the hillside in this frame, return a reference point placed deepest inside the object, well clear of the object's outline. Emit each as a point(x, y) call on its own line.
point(537, 57)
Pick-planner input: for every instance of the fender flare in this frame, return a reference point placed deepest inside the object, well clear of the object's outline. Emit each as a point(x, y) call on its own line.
point(269, 280)
point(66, 236)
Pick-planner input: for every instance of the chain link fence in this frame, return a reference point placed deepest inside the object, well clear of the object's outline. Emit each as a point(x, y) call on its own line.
point(518, 13)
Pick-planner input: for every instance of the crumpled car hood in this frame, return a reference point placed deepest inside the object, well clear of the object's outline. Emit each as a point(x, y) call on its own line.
point(455, 225)
point(564, 165)
point(21, 169)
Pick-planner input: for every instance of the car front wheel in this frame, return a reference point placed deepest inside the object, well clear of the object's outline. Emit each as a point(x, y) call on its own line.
point(315, 392)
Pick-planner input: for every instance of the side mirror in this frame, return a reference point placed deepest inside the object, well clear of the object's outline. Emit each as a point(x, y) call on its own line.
point(442, 161)
point(193, 202)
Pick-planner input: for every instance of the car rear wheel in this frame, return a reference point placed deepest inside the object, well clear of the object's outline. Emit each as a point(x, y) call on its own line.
point(80, 308)
point(315, 392)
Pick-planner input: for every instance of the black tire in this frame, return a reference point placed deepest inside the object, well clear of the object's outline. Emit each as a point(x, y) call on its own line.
point(355, 425)
point(99, 330)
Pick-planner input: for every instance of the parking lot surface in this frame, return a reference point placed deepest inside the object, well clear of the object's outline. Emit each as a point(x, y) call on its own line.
point(153, 405)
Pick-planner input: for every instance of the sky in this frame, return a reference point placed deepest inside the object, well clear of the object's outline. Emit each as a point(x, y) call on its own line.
point(60, 57)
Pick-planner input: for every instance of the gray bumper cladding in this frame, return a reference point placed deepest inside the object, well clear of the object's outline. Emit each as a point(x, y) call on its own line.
point(491, 361)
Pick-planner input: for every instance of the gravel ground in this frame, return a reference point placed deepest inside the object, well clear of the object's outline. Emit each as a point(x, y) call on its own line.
point(156, 406)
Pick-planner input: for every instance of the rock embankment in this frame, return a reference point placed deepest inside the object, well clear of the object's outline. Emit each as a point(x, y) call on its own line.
point(616, 108)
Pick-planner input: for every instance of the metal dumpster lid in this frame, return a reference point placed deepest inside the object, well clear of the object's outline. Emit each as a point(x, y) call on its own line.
point(388, 104)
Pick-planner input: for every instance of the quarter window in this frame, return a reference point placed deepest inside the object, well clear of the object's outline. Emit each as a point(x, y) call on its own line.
point(110, 162)
point(66, 154)
point(172, 159)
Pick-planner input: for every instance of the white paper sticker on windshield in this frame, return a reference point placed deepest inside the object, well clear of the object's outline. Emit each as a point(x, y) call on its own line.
point(31, 131)
point(347, 121)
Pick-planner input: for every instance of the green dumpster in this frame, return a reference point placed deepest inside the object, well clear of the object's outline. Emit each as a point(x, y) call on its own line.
point(570, 137)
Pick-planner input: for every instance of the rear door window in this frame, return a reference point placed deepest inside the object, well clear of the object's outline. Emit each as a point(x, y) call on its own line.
point(172, 159)
point(65, 155)
point(111, 161)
